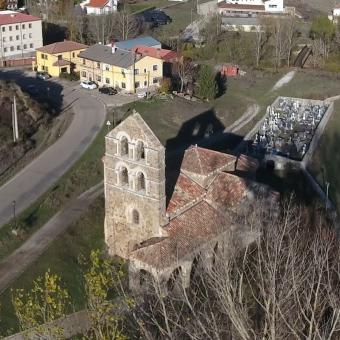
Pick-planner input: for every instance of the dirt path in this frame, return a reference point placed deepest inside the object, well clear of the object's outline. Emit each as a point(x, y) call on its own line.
point(15, 264)
point(284, 80)
point(251, 112)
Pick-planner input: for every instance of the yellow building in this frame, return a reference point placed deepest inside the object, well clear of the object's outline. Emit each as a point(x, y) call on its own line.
point(125, 70)
point(60, 57)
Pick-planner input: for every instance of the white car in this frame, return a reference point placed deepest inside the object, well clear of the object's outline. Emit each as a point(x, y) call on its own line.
point(141, 95)
point(90, 85)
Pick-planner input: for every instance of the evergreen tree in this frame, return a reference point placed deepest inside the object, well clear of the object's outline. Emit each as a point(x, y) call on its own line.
point(207, 86)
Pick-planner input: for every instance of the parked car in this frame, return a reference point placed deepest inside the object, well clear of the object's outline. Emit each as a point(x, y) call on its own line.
point(42, 75)
point(32, 90)
point(141, 94)
point(155, 17)
point(90, 85)
point(108, 90)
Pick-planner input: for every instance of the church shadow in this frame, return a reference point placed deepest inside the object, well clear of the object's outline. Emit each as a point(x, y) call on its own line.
point(204, 130)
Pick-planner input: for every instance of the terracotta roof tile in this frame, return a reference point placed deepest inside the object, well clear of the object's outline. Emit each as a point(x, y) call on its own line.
point(97, 3)
point(247, 163)
point(186, 233)
point(61, 62)
point(186, 191)
point(203, 161)
point(14, 18)
point(227, 191)
point(62, 46)
point(159, 53)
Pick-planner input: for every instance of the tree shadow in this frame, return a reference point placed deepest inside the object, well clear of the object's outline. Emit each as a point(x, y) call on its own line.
point(53, 33)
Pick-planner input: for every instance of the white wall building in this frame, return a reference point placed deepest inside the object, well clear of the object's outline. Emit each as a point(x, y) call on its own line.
point(97, 7)
point(20, 35)
point(335, 16)
point(12, 4)
point(270, 6)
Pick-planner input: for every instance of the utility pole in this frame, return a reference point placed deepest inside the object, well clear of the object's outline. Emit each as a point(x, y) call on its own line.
point(15, 120)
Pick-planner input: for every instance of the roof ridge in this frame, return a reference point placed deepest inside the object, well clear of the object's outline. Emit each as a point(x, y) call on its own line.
point(199, 159)
point(137, 114)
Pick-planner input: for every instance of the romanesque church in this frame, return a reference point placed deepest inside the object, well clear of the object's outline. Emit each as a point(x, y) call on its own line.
point(162, 236)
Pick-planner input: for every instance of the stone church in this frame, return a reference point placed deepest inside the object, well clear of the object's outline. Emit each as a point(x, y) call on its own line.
point(162, 236)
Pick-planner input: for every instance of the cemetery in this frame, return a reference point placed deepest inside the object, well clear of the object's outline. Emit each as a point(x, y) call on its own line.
point(288, 128)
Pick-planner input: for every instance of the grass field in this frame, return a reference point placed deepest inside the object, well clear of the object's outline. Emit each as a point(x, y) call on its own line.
point(62, 258)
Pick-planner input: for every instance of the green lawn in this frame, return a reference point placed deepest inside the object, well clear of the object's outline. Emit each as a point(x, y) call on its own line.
point(181, 14)
point(87, 172)
point(140, 6)
point(62, 258)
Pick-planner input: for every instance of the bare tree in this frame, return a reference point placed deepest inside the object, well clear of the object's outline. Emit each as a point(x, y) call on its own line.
point(184, 70)
point(278, 41)
point(283, 286)
point(291, 37)
point(127, 24)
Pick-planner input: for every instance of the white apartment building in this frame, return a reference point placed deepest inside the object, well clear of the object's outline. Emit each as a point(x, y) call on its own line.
point(20, 35)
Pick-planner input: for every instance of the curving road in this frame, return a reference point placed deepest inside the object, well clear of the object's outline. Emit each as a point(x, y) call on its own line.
point(37, 177)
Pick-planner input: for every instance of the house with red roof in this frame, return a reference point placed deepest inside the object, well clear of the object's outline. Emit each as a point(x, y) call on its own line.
point(170, 58)
point(20, 35)
point(98, 7)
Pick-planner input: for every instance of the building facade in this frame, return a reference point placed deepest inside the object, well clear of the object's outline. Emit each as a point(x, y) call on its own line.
point(98, 7)
point(165, 236)
point(59, 57)
point(250, 7)
point(12, 4)
point(20, 35)
point(124, 70)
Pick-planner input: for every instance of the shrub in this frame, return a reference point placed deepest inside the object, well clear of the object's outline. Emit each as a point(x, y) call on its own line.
point(165, 86)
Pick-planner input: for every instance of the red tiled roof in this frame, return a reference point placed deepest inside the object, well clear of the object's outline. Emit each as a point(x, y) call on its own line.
point(227, 191)
point(159, 53)
point(62, 46)
point(240, 7)
point(14, 18)
point(203, 161)
point(247, 163)
point(97, 3)
point(185, 192)
point(61, 62)
point(187, 232)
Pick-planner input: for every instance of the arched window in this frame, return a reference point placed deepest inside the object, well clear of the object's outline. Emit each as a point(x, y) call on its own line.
point(135, 217)
point(124, 146)
point(124, 176)
point(140, 181)
point(140, 151)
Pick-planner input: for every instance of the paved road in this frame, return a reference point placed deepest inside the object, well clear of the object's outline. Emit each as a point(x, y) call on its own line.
point(37, 177)
point(15, 264)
